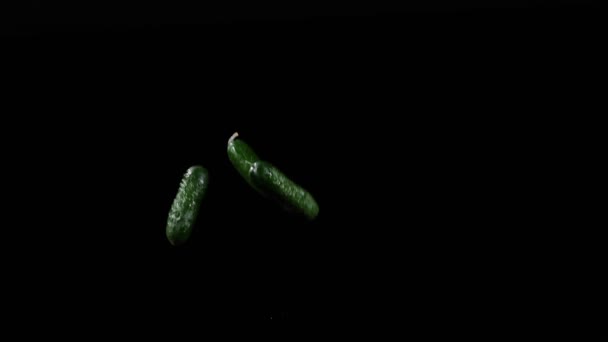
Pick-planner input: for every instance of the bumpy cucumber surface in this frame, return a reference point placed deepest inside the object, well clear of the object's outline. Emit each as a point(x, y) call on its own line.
point(274, 184)
point(186, 205)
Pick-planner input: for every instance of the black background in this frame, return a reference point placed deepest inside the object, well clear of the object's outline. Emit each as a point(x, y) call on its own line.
point(402, 121)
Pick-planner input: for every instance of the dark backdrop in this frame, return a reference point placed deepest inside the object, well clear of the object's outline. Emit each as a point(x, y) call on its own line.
point(23, 16)
point(402, 125)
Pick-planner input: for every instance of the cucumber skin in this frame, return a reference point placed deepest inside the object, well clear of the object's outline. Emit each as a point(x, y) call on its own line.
point(242, 158)
point(274, 184)
point(186, 205)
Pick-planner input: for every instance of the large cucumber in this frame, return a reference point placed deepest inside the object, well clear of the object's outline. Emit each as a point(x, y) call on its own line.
point(269, 181)
point(274, 184)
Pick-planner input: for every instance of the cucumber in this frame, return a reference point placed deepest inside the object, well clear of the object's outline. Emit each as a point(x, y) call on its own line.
point(269, 181)
point(186, 205)
point(275, 185)
point(242, 157)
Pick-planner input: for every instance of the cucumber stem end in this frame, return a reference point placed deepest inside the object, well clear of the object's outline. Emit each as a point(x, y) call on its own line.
point(236, 134)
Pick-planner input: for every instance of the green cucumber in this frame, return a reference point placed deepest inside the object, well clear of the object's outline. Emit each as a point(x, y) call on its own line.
point(186, 205)
point(269, 181)
point(241, 156)
point(274, 184)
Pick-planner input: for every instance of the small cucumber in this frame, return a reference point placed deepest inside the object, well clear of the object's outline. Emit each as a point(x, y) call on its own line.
point(186, 205)
point(241, 156)
point(274, 184)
